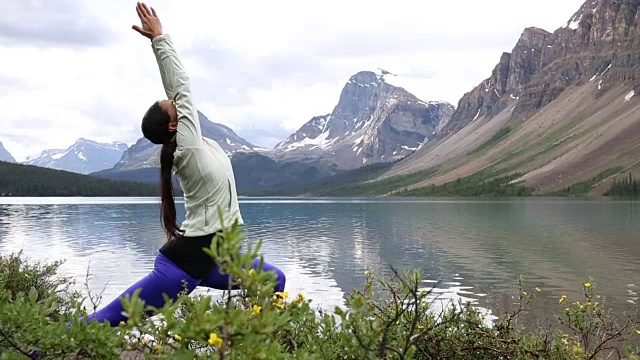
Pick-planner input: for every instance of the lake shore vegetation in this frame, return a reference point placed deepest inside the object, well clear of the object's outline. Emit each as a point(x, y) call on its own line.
point(388, 318)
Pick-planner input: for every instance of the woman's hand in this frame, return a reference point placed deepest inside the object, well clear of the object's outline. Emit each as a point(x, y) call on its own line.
point(151, 26)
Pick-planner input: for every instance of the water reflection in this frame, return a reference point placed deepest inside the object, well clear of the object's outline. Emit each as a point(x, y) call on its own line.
point(477, 248)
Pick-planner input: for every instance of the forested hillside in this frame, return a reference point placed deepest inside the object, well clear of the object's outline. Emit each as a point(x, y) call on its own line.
point(28, 180)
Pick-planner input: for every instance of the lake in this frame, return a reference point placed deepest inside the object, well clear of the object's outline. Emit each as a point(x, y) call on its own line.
point(477, 248)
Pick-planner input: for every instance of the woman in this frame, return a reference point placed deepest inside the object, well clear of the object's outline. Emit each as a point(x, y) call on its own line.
point(205, 175)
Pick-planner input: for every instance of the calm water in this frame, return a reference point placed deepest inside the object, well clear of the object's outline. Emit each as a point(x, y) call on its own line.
point(477, 248)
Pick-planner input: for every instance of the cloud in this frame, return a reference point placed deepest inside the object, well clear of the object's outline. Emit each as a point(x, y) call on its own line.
point(10, 83)
point(23, 144)
point(57, 23)
point(76, 69)
point(261, 135)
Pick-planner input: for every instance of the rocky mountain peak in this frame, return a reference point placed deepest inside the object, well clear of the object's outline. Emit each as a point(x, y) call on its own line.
point(81, 141)
point(373, 121)
point(585, 12)
point(601, 24)
point(532, 39)
point(533, 35)
point(364, 78)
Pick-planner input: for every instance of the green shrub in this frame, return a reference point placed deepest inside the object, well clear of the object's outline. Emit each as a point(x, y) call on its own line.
point(389, 318)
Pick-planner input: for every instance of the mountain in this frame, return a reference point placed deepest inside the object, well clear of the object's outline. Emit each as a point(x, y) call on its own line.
point(83, 157)
point(254, 171)
point(373, 121)
point(5, 155)
point(559, 113)
point(145, 154)
point(258, 174)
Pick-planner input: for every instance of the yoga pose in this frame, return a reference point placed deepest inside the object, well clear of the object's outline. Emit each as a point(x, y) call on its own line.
point(205, 176)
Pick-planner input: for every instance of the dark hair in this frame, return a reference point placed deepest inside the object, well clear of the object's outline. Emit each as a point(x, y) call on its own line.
point(155, 127)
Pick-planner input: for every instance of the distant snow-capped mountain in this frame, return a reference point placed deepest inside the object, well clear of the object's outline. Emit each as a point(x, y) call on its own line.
point(83, 157)
point(5, 155)
point(144, 154)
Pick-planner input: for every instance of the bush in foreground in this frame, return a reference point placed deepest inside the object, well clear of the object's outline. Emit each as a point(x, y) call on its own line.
point(388, 319)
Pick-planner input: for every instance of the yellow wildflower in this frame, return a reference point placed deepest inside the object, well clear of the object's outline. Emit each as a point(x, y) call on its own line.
point(299, 299)
point(278, 302)
point(563, 299)
point(252, 272)
point(215, 340)
point(282, 294)
point(278, 298)
point(638, 332)
point(157, 347)
point(564, 341)
point(122, 323)
point(587, 284)
point(577, 350)
point(256, 310)
point(524, 293)
point(366, 273)
point(538, 289)
point(420, 326)
point(177, 337)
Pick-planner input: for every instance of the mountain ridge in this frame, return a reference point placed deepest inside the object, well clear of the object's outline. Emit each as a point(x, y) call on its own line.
point(83, 156)
point(556, 92)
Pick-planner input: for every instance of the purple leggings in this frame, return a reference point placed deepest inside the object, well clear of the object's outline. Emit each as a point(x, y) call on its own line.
point(167, 278)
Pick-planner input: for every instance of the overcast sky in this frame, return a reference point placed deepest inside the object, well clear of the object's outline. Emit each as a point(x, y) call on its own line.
point(73, 69)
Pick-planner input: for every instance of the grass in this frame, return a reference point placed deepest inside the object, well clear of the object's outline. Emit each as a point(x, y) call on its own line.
point(499, 136)
point(535, 149)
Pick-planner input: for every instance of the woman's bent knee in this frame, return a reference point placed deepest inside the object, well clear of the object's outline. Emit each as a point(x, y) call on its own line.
point(281, 278)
